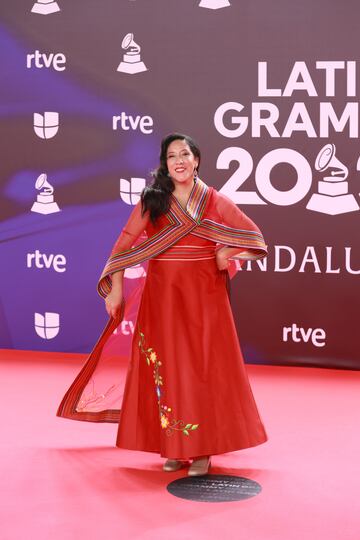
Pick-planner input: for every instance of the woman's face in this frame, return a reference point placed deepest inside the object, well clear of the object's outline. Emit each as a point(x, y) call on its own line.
point(180, 161)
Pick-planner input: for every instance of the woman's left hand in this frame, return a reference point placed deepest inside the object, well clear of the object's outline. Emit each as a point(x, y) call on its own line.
point(221, 260)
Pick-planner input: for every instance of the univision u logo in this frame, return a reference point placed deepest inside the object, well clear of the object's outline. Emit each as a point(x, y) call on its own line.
point(47, 326)
point(130, 191)
point(46, 125)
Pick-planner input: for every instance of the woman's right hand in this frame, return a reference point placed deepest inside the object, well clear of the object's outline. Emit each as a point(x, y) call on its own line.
point(113, 302)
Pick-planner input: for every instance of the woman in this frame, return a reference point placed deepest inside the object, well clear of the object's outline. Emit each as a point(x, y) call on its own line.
point(187, 394)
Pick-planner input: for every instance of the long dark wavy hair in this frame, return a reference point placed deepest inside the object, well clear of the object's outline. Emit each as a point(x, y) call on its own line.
point(156, 196)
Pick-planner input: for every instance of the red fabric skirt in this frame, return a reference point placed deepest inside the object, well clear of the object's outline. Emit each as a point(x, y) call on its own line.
point(187, 392)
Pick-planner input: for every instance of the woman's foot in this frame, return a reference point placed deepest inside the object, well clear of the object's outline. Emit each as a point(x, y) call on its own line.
point(174, 465)
point(200, 466)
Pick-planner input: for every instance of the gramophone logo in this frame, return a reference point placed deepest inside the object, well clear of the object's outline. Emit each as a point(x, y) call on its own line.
point(45, 203)
point(333, 197)
point(135, 272)
point(131, 62)
point(46, 125)
point(45, 7)
point(47, 326)
point(214, 4)
point(130, 190)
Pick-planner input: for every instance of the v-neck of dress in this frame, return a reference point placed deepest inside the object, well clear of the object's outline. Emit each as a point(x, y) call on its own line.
point(188, 199)
point(196, 202)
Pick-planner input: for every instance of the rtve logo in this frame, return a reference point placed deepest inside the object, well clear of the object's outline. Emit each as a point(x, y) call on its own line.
point(126, 328)
point(297, 334)
point(127, 122)
point(40, 60)
point(47, 326)
point(41, 260)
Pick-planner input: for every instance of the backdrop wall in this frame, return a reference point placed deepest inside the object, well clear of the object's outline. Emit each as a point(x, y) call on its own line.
point(270, 92)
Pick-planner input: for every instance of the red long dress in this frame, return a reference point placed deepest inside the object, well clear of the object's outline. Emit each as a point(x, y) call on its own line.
point(187, 392)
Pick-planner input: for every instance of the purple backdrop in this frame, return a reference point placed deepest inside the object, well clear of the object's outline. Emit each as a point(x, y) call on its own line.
point(270, 92)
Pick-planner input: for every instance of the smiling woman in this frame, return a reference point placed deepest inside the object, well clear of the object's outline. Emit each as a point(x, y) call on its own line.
point(187, 394)
point(179, 162)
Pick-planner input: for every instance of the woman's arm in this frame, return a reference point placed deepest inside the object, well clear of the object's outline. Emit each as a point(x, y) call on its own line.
point(115, 297)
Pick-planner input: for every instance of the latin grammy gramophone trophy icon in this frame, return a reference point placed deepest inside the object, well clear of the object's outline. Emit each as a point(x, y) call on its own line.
point(45, 203)
point(214, 4)
point(131, 62)
point(45, 7)
point(333, 197)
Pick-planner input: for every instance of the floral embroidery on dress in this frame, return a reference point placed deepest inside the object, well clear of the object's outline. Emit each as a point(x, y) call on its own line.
point(166, 422)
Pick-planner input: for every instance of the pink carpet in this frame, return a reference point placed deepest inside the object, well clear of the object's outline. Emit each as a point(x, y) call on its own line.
point(64, 480)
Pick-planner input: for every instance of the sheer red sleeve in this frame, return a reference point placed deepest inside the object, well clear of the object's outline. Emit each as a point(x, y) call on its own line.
point(132, 231)
point(236, 219)
point(132, 235)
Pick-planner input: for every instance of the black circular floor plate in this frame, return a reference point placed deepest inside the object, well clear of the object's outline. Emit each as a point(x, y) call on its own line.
point(214, 488)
